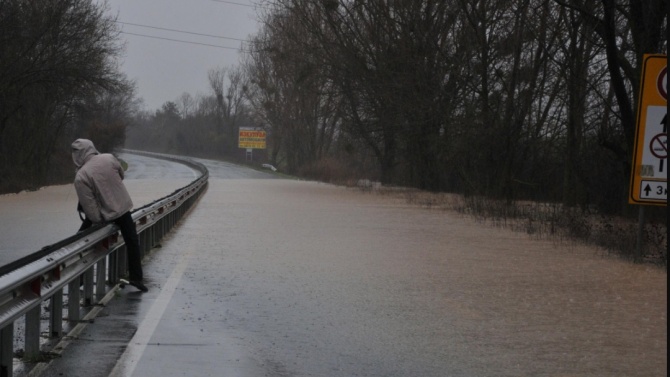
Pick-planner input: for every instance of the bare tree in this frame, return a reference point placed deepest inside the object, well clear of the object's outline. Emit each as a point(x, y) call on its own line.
point(628, 30)
point(291, 93)
point(186, 105)
point(54, 55)
point(229, 88)
point(512, 98)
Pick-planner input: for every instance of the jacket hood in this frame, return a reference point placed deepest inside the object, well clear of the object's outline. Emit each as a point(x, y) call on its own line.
point(82, 150)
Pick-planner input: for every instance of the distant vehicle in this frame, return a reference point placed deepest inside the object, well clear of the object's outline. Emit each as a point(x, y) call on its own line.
point(268, 166)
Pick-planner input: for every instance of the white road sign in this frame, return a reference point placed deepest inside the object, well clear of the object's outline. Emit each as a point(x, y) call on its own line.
point(656, 141)
point(654, 190)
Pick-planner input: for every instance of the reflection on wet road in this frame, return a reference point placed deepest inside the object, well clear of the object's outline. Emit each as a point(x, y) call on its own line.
point(142, 167)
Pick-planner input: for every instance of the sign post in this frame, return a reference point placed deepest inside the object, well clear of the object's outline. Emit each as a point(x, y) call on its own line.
point(649, 175)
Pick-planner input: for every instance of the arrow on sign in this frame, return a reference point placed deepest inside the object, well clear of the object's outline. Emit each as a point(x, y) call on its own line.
point(647, 190)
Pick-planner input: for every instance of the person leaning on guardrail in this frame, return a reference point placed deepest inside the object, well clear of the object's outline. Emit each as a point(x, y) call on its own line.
point(104, 198)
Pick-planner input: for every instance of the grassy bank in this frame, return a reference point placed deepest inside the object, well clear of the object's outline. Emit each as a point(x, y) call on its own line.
point(614, 235)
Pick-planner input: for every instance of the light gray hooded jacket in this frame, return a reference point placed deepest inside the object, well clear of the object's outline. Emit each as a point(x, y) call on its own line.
point(99, 183)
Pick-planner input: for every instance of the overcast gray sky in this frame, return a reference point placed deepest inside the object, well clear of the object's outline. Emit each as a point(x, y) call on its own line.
point(164, 69)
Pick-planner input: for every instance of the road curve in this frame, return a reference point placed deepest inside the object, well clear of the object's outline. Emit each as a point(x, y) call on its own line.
point(34, 219)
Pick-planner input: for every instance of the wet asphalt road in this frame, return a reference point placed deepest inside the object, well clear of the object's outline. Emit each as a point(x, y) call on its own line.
point(274, 277)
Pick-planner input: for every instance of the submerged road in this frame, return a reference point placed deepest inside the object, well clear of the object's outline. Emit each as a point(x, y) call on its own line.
point(274, 277)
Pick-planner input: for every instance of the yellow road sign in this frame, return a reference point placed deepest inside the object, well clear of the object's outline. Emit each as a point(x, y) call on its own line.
point(649, 176)
point(251, 139)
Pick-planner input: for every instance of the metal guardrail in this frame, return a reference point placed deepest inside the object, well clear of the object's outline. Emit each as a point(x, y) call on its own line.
point(93, 260)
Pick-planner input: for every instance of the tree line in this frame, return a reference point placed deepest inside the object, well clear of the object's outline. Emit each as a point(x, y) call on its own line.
point(204, 125)
point(510, 99)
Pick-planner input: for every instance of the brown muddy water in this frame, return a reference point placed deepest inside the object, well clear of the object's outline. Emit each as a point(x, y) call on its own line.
point(316, 280)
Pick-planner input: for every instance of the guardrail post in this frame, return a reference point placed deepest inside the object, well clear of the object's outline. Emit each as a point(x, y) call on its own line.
point(100, 276)
point(56, 315)
point(113, 267)
point(88, 287)
point(122, 258)
point(32, 341)
point(144, 243)
point(73, 301)
point(7, 351)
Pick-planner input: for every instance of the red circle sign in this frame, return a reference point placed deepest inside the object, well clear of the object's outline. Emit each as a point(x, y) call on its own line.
point(659, 146)
point(662, 83)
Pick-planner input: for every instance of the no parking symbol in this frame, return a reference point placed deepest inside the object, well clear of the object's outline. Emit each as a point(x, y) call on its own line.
point(655, 141)
point(659, 146)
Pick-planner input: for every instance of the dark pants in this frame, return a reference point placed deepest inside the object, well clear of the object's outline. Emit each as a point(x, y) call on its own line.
point(130, 237)
point(129, 233)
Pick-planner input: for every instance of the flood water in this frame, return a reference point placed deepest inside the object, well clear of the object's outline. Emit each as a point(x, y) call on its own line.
point(318, 280)
point(292, 278)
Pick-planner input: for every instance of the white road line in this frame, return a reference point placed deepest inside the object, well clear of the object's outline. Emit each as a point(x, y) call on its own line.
point(127, 363)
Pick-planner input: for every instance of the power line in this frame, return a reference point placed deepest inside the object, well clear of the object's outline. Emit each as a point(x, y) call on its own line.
point(234, 3)
point(181, 41)
point(181, 31)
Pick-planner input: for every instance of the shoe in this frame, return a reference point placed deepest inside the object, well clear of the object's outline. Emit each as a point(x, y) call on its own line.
point(139, 285)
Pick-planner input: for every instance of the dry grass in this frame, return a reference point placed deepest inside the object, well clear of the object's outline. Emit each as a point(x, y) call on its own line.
point(549, 220)
point(325, 170)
